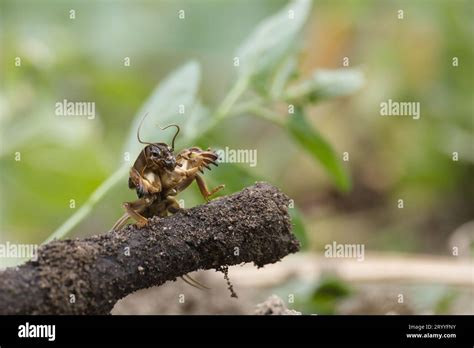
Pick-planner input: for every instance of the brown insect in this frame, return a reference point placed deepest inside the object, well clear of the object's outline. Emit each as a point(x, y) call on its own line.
point(158, 176)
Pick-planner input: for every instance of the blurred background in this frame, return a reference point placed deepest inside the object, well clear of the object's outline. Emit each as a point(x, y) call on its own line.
point(408, 251)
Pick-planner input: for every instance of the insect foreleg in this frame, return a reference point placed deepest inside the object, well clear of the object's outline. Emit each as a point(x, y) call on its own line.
point(204, 190)
point(191, 172)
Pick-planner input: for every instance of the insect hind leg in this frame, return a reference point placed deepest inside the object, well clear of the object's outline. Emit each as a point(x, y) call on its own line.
point(172, 205)
point(193, 282)
point(120, 222)
point(135, 208)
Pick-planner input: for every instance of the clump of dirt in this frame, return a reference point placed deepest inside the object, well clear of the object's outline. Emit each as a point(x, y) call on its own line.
point(274, 306)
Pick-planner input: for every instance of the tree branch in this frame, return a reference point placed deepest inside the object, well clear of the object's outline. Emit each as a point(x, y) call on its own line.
point(249, 226)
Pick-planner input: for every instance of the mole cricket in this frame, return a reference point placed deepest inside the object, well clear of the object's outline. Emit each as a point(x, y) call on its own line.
point(158, 175)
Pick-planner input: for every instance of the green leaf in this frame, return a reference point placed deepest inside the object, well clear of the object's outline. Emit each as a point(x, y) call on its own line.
point(284, 72)
point(272, 38)
point(193, 125)
point(163, 106)
point(328, 294)
point(318, 148)
point(325, 84)
point(445, 302)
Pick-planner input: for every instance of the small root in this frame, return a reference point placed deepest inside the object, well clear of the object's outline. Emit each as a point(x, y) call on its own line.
point(225, 271)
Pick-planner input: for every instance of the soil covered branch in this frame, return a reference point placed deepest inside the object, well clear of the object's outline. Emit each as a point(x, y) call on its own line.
point(88, 276)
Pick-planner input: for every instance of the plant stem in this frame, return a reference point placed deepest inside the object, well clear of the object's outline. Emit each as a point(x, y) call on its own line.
point(230, 99)
point(85, 209)
point(266, 114)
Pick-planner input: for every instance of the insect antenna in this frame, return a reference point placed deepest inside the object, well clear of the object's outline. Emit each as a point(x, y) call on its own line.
point(138, 131)
point(176, 134)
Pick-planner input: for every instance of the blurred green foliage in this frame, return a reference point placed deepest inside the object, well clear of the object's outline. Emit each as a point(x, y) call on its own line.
point(262, 52)
point(83, 59)
point(324, 297)
point(327, 294)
